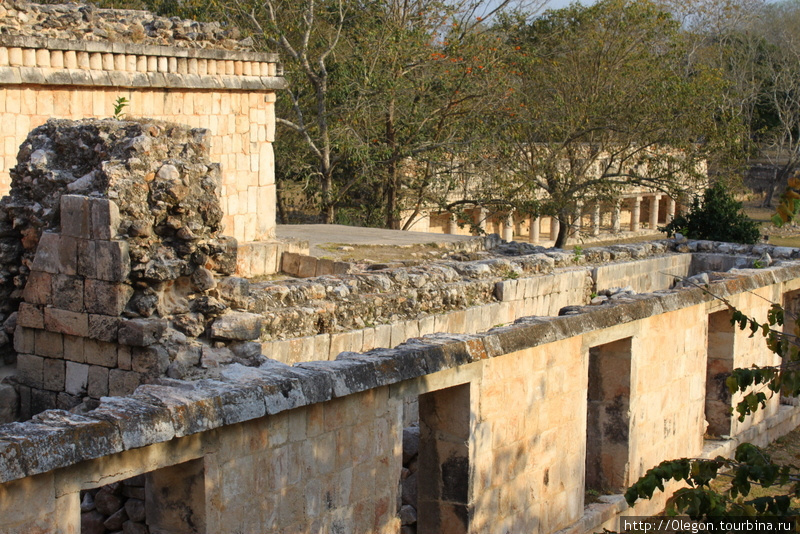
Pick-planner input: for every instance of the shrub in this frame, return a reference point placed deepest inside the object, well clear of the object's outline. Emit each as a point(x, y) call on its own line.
point(718, 217)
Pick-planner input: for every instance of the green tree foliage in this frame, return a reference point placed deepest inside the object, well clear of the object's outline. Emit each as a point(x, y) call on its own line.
point(718, 217)
point(602, 100)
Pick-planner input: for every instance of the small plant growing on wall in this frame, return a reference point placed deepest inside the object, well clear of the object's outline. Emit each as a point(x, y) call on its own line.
point(577, 253)
point(119, 106)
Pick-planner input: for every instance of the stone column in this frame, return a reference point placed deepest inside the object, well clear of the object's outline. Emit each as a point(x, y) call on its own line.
point(615, 217)
point(533, 229)
point(508, 227)
point(452, 224)
point(480, 218)
point(636, 211)
point(596, 220)
point(577, 224)
point(670, 209)
point(655, 200)
point(554, 228)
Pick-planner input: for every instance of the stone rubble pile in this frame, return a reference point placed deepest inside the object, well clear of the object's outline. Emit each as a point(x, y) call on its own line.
point(115, 508)
point(85, 22)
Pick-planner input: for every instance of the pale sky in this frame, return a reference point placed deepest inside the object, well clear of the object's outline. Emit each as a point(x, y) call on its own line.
point(557, 4)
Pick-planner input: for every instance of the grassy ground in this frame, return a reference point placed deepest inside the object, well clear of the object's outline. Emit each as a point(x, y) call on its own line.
point(786, 236)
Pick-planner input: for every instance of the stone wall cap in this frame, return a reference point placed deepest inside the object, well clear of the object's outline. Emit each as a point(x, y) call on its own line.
point(107, 47)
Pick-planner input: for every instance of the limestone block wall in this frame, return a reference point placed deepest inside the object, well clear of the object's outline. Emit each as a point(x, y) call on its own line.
point(667, 388)
point(330, 467)
point(643, 276)
point(317, 446)
point(229, 92)
point(544, 294)
point(117, 292)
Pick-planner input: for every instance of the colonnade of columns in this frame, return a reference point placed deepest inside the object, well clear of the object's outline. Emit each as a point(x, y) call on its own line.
point(658, 212)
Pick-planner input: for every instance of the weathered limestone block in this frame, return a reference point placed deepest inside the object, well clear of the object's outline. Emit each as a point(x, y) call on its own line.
point(141, 332)
point(152, 360)
point(77, 378)
point(67, 292)
point(235, 290)
point(193, 408)
point(9, 404)
point(75, 216)
point(100, 353)
point(87, 261)
point(121, 383)
point(49, 344)
point(38, 289)
point(97, 384)
point(139, 423)
point(60, 436)
point(47, 258)
point(106, 298)
point(103, 327)
point(66, 322)
point(24, 339)
point(53, 374)
point(215, 357)
point(30, 370)
point(113, 262)
point(73, 348)
point(105, 218)
point(238, 325)
point(30, 316)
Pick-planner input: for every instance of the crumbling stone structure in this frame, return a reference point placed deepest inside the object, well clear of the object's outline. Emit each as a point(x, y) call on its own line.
point(74, 61)
point(283, 406)
point(486, 392)
point(136, 244)
point(506, 418)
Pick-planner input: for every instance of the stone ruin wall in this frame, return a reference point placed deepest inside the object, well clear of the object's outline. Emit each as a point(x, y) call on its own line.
point(111, 229)
point(153, 343)
point(116, 273)
point(123, 308)
point(72, 61)
point(319, 445)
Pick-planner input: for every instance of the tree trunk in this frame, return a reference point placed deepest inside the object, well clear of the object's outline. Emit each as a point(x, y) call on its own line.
point(780, 176)
point(280, 203)
point(392, 181)
point(767, 202)
point(563, 231)
point(328, 209)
